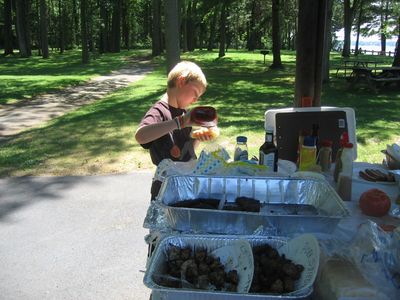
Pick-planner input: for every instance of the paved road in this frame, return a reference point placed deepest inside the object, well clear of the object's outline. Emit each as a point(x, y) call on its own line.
point(73, 237)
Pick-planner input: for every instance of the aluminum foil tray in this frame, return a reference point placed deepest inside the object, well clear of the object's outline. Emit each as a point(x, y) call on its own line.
point(288, 205)
point(157, 266)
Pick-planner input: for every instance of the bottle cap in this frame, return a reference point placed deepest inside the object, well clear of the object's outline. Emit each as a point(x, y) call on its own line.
point(204, 116)
point(348, 145)
point(241, 139)
point(309, 141)
point(326, 143)
point(344, 137)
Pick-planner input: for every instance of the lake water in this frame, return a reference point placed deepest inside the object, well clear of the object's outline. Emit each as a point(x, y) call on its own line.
point(374, 45)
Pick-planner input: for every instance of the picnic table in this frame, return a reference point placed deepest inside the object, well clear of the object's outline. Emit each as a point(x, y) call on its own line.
point(374, 77)
point(346, 230)
point(350, 64)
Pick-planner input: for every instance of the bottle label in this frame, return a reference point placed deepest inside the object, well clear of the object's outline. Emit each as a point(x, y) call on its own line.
point(307, 158)
point(268, 160)
point(241, 154)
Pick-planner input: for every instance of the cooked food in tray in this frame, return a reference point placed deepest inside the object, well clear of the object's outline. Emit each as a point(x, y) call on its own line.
point(240, 204)
point(273, 273)
point(376, 175)
point(199, 269)
point(249, 205)
point(275, 204)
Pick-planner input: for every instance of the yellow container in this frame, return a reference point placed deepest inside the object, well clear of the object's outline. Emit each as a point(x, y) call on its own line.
point(307, 158)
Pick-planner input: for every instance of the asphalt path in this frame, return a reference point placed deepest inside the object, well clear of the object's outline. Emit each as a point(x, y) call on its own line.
point(23, 115)
point(78, 237)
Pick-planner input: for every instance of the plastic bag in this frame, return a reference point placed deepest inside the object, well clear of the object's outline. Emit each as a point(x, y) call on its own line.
point(376, 254)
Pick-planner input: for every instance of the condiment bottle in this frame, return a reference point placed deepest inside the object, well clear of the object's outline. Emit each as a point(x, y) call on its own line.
point(204, 116)
point(346, 174)
point(241, 150)
point(344, 139)
point(308, 153)
point(315, 133)
point(324, 158)
point(269, 152)
point(302, 134)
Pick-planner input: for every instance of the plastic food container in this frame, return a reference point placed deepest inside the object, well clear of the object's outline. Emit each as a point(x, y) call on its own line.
point(288, 205)
point(303, 250)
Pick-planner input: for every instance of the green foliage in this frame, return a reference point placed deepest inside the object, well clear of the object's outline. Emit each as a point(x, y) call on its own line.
point(99, 138)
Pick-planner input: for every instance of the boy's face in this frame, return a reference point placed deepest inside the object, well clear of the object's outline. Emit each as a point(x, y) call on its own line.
point(188, 93)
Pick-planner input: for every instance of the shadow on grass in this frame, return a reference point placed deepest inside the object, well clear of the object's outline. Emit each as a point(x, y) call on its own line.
point(92, 131)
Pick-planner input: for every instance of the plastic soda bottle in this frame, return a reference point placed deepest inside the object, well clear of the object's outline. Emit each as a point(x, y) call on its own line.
point(241, 150)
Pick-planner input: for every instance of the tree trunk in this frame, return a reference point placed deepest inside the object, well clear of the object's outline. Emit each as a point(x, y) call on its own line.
point(251, 30)
point(222, 30)
point(104, 44)
point(190, 26)
point(211, 38)
point(125, 23)
point(360, 11)
point(276, 36)
point(396, 60)
point(23, 31)
point(61, 27)
point(116, 27)
point(327, 42)
point(310, 44)
point(8, 36)
point(384, 24)
point(147, 19)
point(75, 24)
point(156, 40)
point(202, 35)
point(172, 33)
point(39, 44)
point(183, 26)
point(44, 41)
point(84, 32)
point(347, 28)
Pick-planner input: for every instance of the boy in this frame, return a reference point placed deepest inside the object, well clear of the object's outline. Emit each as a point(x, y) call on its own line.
point(165, 129)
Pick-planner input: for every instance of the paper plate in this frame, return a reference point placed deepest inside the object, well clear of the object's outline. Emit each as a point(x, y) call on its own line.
point(303, 250)
point(238, 256)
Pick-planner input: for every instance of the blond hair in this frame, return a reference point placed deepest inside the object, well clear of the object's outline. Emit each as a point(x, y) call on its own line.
point(189, 70)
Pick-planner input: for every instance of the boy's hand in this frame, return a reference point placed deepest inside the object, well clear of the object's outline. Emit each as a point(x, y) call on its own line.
point(186, 119)
point(204, 134)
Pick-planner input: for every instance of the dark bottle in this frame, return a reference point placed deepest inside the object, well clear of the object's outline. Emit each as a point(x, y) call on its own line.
point(269, 152)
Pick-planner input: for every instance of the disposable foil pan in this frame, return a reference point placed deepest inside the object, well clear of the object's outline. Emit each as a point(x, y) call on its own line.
point(157, 267)
point(288, 205)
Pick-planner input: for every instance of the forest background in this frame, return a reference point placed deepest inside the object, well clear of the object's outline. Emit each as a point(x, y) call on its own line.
point(111, 25)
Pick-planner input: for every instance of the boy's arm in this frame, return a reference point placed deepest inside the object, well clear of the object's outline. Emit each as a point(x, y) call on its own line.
point(149, 133)
point(196, 143)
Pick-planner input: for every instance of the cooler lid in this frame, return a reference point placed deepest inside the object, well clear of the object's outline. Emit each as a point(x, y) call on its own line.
point(332, 121)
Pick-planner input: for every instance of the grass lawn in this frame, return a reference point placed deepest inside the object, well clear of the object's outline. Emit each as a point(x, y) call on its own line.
point(23, 78)
point(99, 138)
